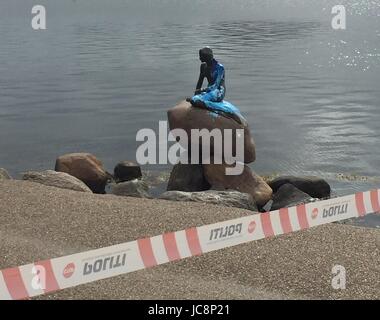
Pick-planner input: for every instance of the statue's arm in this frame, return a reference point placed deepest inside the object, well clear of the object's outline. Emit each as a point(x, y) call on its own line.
point(202, 75)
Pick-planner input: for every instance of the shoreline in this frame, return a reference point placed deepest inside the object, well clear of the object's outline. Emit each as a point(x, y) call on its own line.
point(39, 222)
point(157, 182)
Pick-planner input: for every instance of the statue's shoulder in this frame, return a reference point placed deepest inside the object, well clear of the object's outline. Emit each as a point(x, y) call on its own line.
point(203, 67)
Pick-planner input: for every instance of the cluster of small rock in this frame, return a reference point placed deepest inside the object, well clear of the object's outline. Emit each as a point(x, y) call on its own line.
point(83, 172)
point(189, 182)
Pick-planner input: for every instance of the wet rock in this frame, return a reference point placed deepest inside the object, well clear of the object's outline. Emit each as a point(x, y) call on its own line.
point(56, 179)
point(127, 171)
point(187, 177)
point(313, 186)
point(135, 188)
point(4, 175)
point(289, 196)
point(186, 117)
point(247, 182)
point(86, 167)
point(222, 198)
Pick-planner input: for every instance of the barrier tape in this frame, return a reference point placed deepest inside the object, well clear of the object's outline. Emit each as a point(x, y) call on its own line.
point(69, 271)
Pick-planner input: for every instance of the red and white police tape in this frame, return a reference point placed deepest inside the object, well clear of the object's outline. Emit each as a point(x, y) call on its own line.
point(59, 273)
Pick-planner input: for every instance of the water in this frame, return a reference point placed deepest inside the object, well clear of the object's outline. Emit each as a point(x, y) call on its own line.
point(105, 69)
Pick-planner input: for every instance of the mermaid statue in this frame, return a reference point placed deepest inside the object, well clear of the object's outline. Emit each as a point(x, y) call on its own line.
point(212, 97)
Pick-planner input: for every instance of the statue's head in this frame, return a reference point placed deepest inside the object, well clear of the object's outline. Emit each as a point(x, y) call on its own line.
point(206, 54)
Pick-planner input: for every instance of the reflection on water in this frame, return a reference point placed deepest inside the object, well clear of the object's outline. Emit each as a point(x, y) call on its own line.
point(310, 94)
point(257, 33)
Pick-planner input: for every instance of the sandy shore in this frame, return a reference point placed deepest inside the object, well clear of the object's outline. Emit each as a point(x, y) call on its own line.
point(39, 222)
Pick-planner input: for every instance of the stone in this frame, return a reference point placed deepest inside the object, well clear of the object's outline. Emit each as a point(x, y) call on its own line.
point(127, 171)
point(86, 167)
point(185, 116)
point(56, 179)
point(4, 175)
point(313, 186)
point(289, 196)
point(135, 188)
point(222, 198)
point(247, 182)
point(187, 177)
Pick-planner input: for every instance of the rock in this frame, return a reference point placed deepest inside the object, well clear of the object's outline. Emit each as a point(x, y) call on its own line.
point(135, 188)
point(86, 167)
point(222, 198)
point(4, 175)
point(56, 179)
point(187, 177)
point(127, 171)
point(247, 182)
point(313, 186)
point(289, 196)
point(186, 117)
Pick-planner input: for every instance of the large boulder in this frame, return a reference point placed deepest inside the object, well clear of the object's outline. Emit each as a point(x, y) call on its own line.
point(4, 175)
point(313, 186)
point(56, 179)
point(289, 196)
point(222, 198)
point(86, 167)
point(247, 182)
point(187, 177)
point(127, 171)
point(135, 188)
point(185, 116)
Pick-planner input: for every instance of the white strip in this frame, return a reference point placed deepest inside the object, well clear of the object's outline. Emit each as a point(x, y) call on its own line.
point(276, 222)
point(310, 207)
point(183, 247)
point(367, 202)
point(159, 250)
point(4, 294)
point(245, 236)
point(59, 265)
point(378, 197)
point(133, 263)
point(222, 235)
point(259, 231)
point(34, 283)
point(351, 211)
point(293, 217)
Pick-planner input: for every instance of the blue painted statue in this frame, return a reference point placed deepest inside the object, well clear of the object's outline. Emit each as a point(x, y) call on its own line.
point(212, 97)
